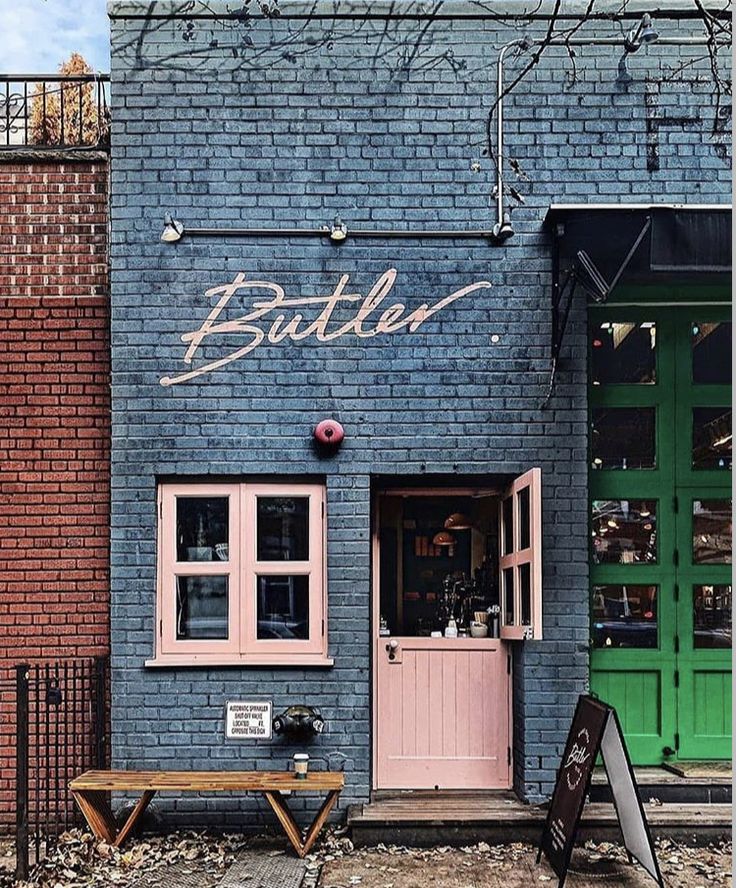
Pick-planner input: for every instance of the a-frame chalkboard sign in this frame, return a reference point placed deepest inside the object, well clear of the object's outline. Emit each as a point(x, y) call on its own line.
point(595, 729)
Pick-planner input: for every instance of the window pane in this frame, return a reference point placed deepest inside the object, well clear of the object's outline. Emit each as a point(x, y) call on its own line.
point(508, 592)
point(525, 530)
point(712, 352)
point(624, 531)
point(625, 616)
point(508, 526)
point(201, 607)
point(525, 593)
point(623, 438)
point(712, 616)
point(712, 438)
point(623, 351)
point(201, 528)
point(283, 528)
point(283, 607)
point(712, 531)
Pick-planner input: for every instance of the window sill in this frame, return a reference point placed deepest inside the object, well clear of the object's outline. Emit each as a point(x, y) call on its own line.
point(163, 661)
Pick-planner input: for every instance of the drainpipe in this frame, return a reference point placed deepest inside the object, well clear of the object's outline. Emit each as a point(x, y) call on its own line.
point(503, 229)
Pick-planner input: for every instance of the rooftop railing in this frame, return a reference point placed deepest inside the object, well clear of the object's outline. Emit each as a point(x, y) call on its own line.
point(54, 111)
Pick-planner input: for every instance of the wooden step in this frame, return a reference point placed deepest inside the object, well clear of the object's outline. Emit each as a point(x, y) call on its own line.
point(460, 818)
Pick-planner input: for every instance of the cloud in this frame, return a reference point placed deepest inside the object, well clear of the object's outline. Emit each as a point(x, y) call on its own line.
point(36, 36)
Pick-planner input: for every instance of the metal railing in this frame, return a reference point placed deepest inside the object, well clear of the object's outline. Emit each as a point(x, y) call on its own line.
point(54, 111)
point(60, 731)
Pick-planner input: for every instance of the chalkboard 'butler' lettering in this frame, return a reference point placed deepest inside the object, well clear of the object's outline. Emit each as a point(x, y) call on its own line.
point(595, 729)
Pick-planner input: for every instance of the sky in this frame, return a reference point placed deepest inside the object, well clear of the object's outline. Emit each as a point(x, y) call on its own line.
point(36, 36)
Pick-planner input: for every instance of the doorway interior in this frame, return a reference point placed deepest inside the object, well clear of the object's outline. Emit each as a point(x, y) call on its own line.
point(441, 673)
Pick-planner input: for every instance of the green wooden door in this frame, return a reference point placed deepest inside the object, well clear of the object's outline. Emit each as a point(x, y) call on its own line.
point(660, 606)
point(703, 548)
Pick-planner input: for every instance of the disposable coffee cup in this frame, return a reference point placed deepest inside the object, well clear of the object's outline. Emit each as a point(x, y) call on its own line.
point(301, 765)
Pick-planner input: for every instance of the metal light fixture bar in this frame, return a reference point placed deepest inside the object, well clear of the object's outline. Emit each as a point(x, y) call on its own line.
point(325, 232)
point(335, 233)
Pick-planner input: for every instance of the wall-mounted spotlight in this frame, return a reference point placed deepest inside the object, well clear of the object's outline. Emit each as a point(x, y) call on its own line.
point(339, 230)
point(173, 230)
point(644, 32)
point(503, 230)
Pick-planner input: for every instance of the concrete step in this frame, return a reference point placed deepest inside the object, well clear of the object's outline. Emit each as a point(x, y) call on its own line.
point(421, 819)
point(668, 787)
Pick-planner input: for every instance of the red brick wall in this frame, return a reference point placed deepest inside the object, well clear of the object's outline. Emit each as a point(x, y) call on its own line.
point(54, 423)
point(53, 229)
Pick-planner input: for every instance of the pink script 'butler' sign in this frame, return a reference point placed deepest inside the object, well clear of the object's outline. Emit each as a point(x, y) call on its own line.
point(275, 318)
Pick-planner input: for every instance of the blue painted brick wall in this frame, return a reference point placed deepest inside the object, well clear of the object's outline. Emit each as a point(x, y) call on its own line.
point(385, 126)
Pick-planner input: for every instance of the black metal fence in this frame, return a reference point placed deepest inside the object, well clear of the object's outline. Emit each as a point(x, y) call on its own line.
point(61, 730)
point(54, 111)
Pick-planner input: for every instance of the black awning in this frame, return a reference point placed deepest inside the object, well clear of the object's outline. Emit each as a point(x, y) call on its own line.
point(639, 242)
point(596, 247)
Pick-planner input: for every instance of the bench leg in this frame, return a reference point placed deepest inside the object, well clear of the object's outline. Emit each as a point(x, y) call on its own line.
point(286, 818)
point(281, 809)
point(319, 821)
point(135, 815)
point(98, 814)
point(94, 805)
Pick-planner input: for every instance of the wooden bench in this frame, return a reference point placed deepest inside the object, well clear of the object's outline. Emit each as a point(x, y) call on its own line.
point(91, 788)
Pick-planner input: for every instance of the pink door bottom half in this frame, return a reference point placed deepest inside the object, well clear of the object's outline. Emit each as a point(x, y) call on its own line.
point(442, 711)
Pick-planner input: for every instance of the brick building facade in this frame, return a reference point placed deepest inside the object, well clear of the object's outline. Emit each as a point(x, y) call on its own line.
point(55, 428)
point(380, 120)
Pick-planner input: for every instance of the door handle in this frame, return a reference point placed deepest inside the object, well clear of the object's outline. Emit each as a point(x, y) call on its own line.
point(392, 647)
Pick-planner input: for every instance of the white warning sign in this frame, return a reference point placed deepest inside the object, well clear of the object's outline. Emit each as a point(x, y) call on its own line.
point(248, 719)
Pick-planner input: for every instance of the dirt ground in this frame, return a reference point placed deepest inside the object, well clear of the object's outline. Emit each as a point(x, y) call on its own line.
point(181, 859)
point(514, 866)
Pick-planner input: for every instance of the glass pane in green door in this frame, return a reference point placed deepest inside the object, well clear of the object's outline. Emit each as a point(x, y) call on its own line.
point(623, 437)
point(712, 530)
point(624, 615)
point(623, 352)
point(624, 531)
point(712, 438)
point(711, 352)
point(712, 616)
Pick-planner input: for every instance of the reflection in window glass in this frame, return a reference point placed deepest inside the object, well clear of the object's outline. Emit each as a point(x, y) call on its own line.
point(712, 616)
point(201, 528)
point(508, 526)
point(624, 531)
point(625, 616)
point(712, 531)
point(201, 607)
point(283, 528)
point(283, 607)
point(623, 438)
point(623, 352)
point(508, 594)
point(712, 438)
point(711, 352)
point(525, 529)
point(525, 593)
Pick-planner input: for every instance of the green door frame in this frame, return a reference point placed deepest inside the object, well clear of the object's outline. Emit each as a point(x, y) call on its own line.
point(655, 689)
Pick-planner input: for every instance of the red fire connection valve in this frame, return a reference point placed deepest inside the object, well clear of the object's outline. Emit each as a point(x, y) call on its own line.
point(329, 433)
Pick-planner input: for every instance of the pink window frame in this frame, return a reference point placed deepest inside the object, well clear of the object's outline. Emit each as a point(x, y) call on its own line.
point(313, 568)
point(170, 569)
point(518, 557)
point(242, 646)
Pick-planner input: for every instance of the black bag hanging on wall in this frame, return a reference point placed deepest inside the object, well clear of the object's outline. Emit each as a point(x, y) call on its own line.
point(595, 729)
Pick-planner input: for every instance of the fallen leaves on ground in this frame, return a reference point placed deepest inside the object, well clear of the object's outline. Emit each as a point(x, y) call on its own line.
point(509, 866)
point(81, 861)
